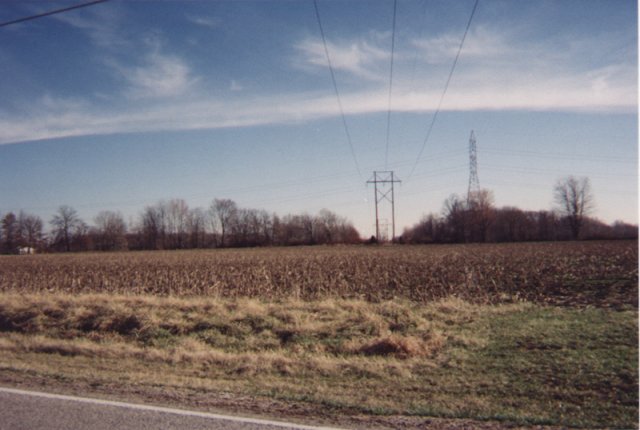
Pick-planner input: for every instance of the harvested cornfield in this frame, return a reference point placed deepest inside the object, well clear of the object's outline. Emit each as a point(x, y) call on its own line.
point(572, 273)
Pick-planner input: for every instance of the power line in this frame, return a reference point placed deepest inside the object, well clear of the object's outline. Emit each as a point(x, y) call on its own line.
point(446, 86)
point(559, 170)
point(335, 87)
point(52, 12)
point(559, 156)
point(393, 42)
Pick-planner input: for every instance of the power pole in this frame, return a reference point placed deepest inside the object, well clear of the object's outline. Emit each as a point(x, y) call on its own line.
point(384, 229)
point(385, 191)
point(474, 182)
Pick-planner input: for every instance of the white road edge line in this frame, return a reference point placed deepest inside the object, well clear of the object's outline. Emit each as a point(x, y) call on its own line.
point(164, 410)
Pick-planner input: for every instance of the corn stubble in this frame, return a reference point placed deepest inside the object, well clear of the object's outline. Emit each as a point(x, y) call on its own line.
point(561, 273)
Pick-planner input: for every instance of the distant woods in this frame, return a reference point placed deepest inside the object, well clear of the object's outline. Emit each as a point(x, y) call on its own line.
point(476, 219)
point(173, 224)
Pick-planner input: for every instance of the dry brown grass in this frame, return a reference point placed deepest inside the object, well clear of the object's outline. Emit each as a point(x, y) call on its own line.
point(221, 338)
point(445, 358)
point(403, 346)
point(244, 337)
point(190, 326)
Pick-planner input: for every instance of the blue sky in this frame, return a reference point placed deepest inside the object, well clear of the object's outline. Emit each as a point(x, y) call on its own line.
point(121, 104)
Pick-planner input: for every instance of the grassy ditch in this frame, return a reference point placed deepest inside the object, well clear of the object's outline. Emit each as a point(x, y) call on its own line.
point(518, 363)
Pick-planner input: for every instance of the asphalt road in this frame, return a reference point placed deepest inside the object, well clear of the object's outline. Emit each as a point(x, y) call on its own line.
point(28, 410)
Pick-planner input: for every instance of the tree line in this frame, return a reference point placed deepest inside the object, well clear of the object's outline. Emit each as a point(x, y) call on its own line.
point(474, 218)
point(172, 224)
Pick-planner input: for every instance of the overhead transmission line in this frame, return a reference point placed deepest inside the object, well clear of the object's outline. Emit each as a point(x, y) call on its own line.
point(51, 12)
point(335, 87)
point(393, 40)
point(446, 86)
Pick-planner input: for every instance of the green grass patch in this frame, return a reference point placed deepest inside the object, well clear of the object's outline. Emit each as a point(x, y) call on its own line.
point(544, 365)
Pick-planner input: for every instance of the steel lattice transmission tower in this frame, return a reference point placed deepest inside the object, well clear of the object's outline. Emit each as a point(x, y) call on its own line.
point(383, 182)
point(474, 182)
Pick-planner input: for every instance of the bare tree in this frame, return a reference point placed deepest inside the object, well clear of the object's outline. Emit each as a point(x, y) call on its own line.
point(177, 212)
point(454, 212)
point(153, 223)
point(428, 230)
point(10, 233)
point(511, 225)
point(241, 228)
point(277, 230)
point(225, 212)
point(547, 223)
point(111, 231)
point(327, 225)
point(309, 228)
point(293, 231)
point(196, 226)
point(480, 215)
point(575, 201)
point(65, 223)
point(30, 227)
point(331, 228)
point(81, 239)
point(266, 227)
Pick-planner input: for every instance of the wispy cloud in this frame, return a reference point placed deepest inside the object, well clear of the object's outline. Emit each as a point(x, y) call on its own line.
point(161, 75)
point(361, 58)
point(481, 43)
point(157, 75)
point(205, 21)
point(593, 92)
point(100, 24)
point(495, 72)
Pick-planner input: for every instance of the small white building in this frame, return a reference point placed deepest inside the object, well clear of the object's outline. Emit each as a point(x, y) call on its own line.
point(26, 250)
